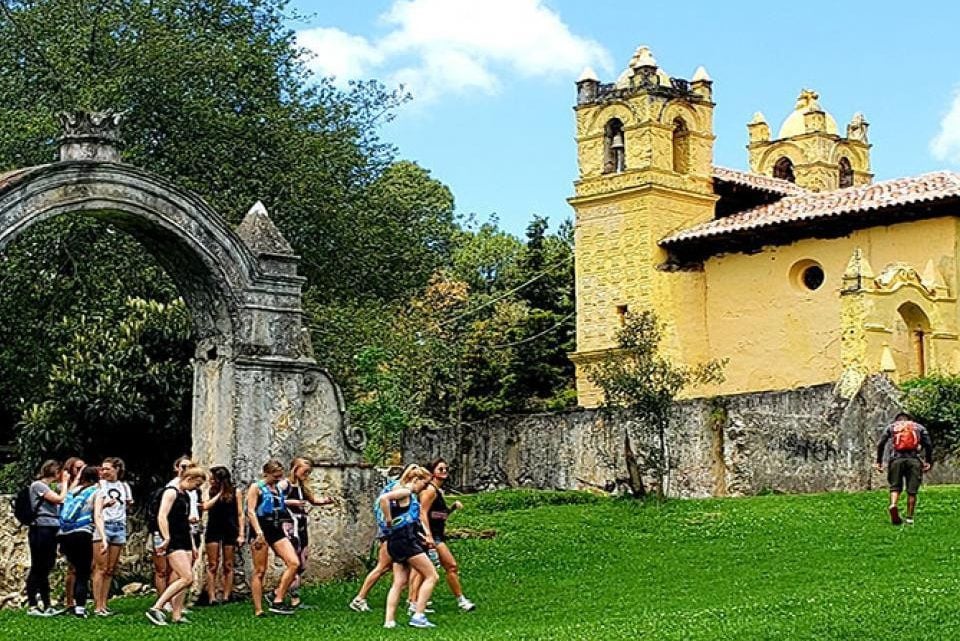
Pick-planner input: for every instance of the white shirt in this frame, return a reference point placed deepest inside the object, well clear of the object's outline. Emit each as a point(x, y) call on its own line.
point(119, 492)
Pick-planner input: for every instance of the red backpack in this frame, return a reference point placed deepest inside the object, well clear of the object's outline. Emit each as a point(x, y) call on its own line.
point(906, 436)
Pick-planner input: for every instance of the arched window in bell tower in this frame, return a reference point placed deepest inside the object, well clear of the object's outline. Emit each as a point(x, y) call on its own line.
point(846, 173)
point(681, 146)
point(614, 147)
point(784, 170)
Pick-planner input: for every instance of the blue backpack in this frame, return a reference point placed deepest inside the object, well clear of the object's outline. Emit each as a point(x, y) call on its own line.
point(411, 516)
point(73, 512)
point(271, 505)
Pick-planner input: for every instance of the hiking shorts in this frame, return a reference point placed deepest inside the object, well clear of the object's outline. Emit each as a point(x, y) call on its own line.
point(905, 471)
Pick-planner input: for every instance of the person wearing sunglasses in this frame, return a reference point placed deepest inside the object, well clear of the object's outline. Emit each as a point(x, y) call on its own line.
point(434, 513)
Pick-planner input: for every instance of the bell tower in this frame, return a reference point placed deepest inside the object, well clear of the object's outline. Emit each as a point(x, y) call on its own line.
point(645, 155)
point(809, 149)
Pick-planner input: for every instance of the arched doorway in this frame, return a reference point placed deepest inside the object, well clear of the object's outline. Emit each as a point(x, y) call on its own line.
point(911, 341)
point(258, 392)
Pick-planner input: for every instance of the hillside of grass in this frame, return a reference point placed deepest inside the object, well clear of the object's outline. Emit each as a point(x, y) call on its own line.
point(573, 566)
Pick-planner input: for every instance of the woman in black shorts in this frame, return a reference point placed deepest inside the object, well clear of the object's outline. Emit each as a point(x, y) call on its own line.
point(407, 545)
point(177, 544)
point(267, 512)
point(300, 497)
point(434, 513)
point(225, 530)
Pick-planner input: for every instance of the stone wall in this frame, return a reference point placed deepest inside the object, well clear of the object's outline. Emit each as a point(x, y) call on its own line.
point(804, 440)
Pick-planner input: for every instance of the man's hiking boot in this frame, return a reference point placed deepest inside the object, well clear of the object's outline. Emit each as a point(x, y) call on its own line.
point(895, 515)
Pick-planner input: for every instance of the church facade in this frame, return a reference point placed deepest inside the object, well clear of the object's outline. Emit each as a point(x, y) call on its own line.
point(800, 271)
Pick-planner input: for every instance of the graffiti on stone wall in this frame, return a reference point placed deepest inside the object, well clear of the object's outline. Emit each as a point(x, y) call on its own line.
point(808, 448)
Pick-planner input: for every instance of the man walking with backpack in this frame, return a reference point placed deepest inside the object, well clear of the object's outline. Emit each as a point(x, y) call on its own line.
point(904, 466)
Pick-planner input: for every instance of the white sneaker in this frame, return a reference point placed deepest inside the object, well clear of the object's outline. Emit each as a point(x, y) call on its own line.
point(466, 604)
point(359, 605)
point(412, 609)
point(35, 611)
point(390, 624)
point(421, 621)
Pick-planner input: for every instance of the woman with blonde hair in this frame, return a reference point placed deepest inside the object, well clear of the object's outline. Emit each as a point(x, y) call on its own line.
point(225, 530)
point(384, 563)
point(176, 544)
point(117, 497)
point(407, 545)
point(300, 497)
point(267, 512)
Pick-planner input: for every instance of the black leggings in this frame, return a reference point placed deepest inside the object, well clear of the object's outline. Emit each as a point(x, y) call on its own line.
point(43, 556)
point(78, 548)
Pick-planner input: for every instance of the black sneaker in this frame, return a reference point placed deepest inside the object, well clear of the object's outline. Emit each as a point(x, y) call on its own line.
point(281, 608)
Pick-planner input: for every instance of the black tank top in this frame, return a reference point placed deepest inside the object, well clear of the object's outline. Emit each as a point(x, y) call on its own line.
point(439, 512)
point(178, 519)
point(223, 516)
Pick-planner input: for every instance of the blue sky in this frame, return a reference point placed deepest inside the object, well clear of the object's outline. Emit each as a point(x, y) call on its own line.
point(493, 80)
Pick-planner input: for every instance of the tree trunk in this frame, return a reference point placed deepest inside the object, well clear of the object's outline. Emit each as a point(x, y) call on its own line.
point(633, 470)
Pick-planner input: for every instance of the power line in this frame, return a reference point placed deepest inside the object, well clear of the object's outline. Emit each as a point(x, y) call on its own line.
point(534, 337)
point(509, 292)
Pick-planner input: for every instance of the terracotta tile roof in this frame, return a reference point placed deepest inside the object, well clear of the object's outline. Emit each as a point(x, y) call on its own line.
point(841, 203)
point(758, 181)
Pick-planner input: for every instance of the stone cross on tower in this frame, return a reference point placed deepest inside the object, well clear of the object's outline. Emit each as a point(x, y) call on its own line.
point(90, 135)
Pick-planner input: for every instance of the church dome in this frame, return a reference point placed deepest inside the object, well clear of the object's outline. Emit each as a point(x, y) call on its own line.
point(806, 103)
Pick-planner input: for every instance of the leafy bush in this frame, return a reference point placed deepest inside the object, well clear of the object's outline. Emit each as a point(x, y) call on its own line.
point(495, 502)
point(935, 401)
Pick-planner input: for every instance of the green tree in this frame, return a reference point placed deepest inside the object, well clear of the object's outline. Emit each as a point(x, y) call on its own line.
point(638, 379)
point(115, 377)
point(935, 401)
point(217, 98)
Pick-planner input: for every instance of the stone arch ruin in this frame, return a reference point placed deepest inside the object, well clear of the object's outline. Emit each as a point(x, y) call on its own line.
point(258, 391)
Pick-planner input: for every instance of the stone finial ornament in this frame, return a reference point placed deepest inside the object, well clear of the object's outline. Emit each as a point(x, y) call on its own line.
point(90, 135)
point(808, 101)
point(260, 234)
point(701, 75)
point(857, 129)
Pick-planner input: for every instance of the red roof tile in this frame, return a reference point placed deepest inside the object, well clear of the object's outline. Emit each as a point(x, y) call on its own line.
point(758, 181)
point(839, 203)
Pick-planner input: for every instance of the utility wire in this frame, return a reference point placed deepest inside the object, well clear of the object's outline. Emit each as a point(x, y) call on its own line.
point(508, 293)
point(530, 339)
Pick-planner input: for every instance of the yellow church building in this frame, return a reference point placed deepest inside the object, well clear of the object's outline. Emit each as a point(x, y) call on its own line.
point(800, 271)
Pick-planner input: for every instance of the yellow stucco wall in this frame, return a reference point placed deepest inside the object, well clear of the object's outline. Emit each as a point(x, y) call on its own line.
point(777, 334)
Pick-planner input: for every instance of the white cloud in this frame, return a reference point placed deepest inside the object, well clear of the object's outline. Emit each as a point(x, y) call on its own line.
point(945, 146)
point(436, 47)
point(337, 53)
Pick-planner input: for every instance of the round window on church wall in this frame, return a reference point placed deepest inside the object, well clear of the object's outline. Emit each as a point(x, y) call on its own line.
point(807, 275)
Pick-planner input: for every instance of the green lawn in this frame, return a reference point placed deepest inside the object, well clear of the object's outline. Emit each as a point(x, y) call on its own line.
point(568, 566)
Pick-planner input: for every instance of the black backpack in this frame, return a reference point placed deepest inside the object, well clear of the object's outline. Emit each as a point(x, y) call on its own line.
point(25, 510)
point(153, 509)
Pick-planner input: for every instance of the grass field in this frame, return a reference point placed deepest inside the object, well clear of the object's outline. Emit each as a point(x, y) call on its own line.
point(571, 566)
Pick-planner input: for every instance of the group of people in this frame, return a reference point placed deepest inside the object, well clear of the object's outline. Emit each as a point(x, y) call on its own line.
point(82, 510)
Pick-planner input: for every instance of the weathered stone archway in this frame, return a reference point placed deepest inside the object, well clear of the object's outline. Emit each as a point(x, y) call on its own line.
point(258, 392)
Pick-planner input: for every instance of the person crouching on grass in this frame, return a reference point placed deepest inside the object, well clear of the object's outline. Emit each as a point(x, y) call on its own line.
point(407, 545)
point(177, 544)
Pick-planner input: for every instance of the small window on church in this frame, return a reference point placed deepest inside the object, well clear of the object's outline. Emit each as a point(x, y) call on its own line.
point(681, 146)
point(807, 275)
point(784, 170)
point(614, 147)
point(846, 173)
point(622, 311)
